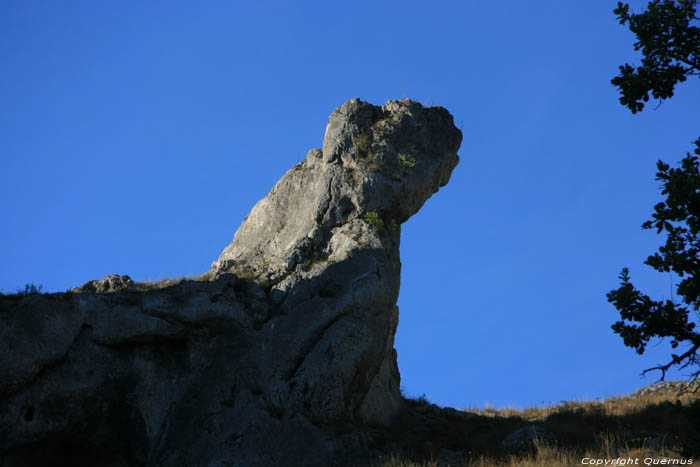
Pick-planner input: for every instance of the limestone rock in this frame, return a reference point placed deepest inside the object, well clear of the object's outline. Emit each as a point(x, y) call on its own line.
point(376, 162)
point(670, 388)
point(112, 283)
point(279, 359)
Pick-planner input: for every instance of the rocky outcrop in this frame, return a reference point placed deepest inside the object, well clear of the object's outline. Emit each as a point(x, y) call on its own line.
point(111, 283)
point(278, 356)
point(674, 388)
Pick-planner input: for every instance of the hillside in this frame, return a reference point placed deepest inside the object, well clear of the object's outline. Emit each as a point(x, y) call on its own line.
point(659, 422)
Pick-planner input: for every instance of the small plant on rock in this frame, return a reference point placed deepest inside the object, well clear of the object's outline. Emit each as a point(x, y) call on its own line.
point(374, 220)
point(406, 162)
point(364, 145)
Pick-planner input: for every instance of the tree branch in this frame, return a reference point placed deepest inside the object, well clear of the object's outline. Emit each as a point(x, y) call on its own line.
point(690, 355)
point(690, 63)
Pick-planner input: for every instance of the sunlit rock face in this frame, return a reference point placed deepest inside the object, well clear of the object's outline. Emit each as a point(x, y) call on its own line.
point(277, 356)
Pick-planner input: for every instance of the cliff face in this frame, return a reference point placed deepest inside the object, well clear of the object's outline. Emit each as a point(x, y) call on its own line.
point(275, 357)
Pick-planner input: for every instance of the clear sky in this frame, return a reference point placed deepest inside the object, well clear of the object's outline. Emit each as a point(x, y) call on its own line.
point(135, 136)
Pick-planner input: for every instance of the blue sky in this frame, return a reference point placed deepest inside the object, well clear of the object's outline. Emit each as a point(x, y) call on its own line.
point(134, 138)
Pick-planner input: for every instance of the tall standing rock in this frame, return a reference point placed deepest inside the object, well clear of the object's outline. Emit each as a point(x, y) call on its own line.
point(325, 241)
point(292, 338)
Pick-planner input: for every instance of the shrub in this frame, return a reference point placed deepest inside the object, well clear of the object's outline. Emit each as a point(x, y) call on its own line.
point(29, 289)
point(364, 145)
point(374, 220)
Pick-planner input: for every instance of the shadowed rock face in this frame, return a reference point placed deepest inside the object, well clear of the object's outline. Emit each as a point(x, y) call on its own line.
point(276, 360)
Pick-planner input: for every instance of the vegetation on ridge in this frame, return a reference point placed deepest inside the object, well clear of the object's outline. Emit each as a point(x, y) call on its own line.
point(661, 421)
point(29, 289)
point(168, 282)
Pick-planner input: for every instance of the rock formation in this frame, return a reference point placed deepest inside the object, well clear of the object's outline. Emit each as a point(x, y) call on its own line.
point(277, 356)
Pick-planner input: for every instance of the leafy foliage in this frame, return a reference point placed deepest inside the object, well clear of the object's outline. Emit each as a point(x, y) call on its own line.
point(644, 318)
point(670, 44)
point(671, 48)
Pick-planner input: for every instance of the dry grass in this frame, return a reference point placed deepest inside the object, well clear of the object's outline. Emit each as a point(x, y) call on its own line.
point(168, 282)
point(375, 165)
point(650, 424)
point(621, 405)
point(609, 447)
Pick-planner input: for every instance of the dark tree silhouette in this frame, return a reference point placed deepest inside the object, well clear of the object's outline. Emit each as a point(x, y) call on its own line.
point(670, 43)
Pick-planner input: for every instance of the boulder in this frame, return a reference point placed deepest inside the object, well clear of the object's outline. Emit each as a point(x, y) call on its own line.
point(111, 283)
